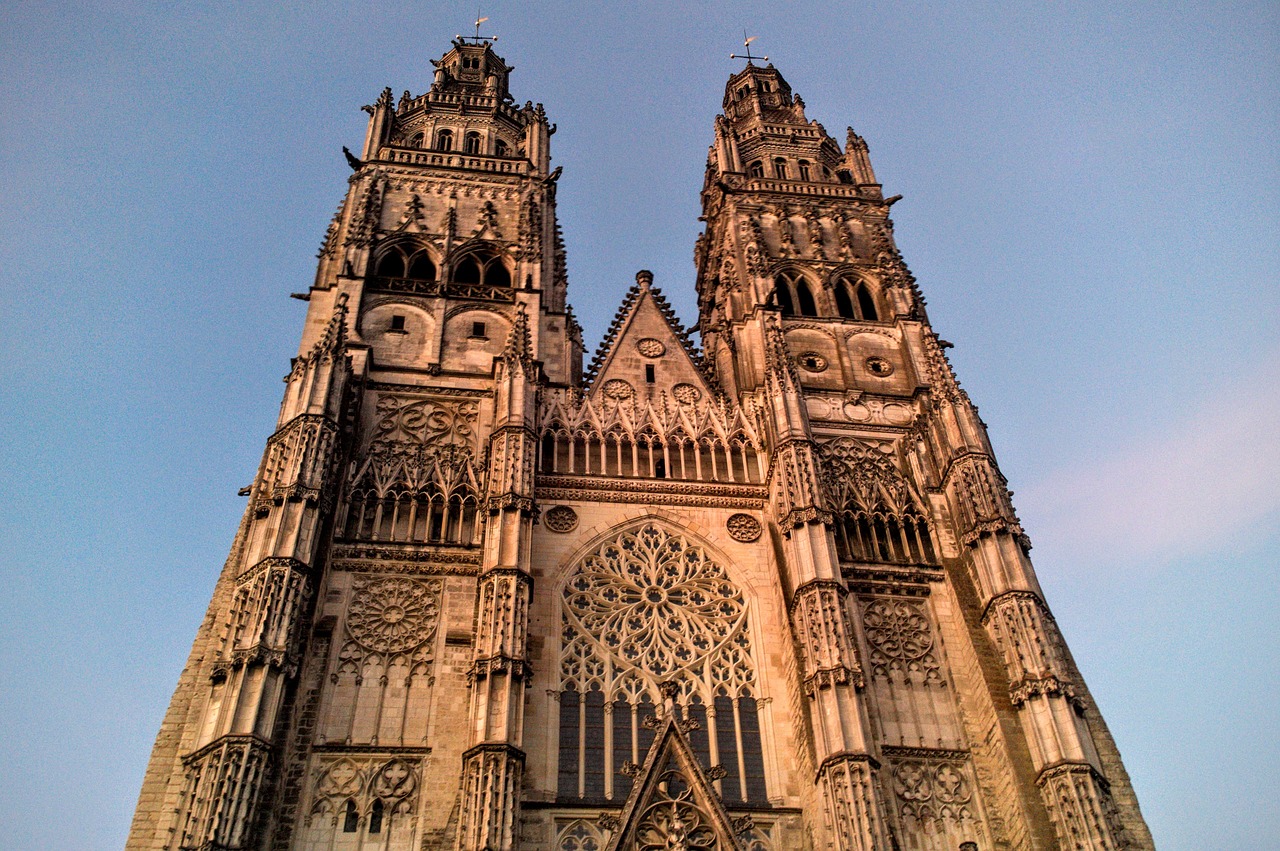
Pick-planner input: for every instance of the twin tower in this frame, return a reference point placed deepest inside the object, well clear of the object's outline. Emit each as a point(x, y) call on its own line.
point(768, 594)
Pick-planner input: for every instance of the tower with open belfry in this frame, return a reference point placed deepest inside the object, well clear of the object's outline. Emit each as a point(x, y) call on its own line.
point(764, 593)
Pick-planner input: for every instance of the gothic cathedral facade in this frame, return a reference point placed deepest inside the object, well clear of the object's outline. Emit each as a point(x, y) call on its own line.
point(766, 594)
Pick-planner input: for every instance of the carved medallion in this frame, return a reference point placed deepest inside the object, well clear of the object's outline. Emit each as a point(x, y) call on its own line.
point(560, 518)
point(393, 615)
point(686, 394)
point(879, 367)
point(618, 390)
point(743, 527)
point(651, 348)
point(812, 362)
point(898, 629)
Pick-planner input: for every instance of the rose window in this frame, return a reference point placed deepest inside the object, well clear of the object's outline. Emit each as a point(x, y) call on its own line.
point(393, 615)
point(654, 601)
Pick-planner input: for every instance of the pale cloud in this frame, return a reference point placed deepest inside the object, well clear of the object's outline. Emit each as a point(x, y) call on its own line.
point(1188, 488)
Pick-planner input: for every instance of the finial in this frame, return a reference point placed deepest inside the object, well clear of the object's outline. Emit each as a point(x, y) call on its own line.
point(644, 278)
point(477, 38)
point(746, 43)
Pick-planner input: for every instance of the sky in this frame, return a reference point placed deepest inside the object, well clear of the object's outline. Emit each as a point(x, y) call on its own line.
point(1091, 207)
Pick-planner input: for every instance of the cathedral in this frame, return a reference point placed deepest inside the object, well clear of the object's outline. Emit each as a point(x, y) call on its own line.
point(761, 591)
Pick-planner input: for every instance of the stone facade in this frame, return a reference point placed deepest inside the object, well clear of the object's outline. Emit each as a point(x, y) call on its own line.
point(769, 596)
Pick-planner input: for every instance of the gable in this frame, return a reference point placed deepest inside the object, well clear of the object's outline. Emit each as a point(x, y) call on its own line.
point(647, 353)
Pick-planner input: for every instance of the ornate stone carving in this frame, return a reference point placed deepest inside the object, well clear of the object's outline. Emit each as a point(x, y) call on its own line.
point(221, 794)
point(393, 615)
point(651, 348)
point(823, 632)
point(743, 527)
point(418, 420)
point(812, 362)
point(618, 390)
point(932, 791)
point(1083, 812)
point(901, 640)
point(686, 394)
point(655, 601)
point(560, 518)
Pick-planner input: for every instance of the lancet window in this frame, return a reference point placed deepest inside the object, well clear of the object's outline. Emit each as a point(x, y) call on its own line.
point(756, 169)
point(481, 267)
point(794, 294)
point(406, 260)
point(417, 481)
point(622, 436)
point(471, 143)
point(855, 301)
point(879, 518)
point(650, 606)
point(444, 140)
point(355, 796)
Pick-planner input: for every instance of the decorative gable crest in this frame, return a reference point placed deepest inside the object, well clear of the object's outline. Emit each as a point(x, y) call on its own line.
point(672, 805)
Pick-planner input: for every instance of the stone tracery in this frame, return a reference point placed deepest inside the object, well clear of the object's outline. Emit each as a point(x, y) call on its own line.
point(650, 606)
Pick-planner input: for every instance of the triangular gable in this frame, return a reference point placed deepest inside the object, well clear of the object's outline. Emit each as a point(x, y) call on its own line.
point(672, 802)
point(646, 333)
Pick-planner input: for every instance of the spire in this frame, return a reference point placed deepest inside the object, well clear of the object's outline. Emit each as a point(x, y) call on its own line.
point(518, 351)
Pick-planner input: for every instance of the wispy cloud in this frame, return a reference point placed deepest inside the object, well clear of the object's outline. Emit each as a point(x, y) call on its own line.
point(1187, 488)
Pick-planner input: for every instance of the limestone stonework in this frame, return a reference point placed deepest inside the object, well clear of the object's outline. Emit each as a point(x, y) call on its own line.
point(766, 594)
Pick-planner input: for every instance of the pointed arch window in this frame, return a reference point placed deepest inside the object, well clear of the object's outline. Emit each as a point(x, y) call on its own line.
point(481, 267)
point(756, 169)
point(854, 300)
point(500, 148)
point(649, 605)
point(795, 295)
point(879, 518)
point(417, 140)
point(444, 140)
point(375, 817)
point(803, 166)
point(406, 261)
point(350, 818)
point(780, 168)
point(471, 143)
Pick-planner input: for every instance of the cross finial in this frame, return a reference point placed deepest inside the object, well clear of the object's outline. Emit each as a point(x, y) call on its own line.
point(746, 43)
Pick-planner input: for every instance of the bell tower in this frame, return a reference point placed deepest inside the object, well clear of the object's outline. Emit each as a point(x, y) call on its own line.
point(896, 534)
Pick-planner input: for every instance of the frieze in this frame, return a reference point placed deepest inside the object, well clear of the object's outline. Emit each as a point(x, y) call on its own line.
point(862, 410)
point(649, 487)
point(692, 500)
point(405, 553)
point(393, 387)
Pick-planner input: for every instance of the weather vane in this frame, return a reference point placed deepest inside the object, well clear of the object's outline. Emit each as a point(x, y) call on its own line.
point(746, 42)
point(477, 38)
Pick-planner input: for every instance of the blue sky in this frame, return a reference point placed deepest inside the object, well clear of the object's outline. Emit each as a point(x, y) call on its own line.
point(1092, 200)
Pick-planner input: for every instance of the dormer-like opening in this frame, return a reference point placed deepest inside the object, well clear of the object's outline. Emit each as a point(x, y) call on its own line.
point(444, 140)
point(471, 143)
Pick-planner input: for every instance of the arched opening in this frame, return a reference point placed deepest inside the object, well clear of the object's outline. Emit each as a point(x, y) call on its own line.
point(496, 275)
point(500, 148)
point(421, 268)
point(807, 306)
point(866, 303)
point(756, 169)
point(780, 168)
point(803, 166)
point(416, 141)
point(351, 819)
point(444, 140)
point(467, 271)
point(471, 143)
point(844, 304)
point(390, 265)
point(783, 294)
point(375, 817)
